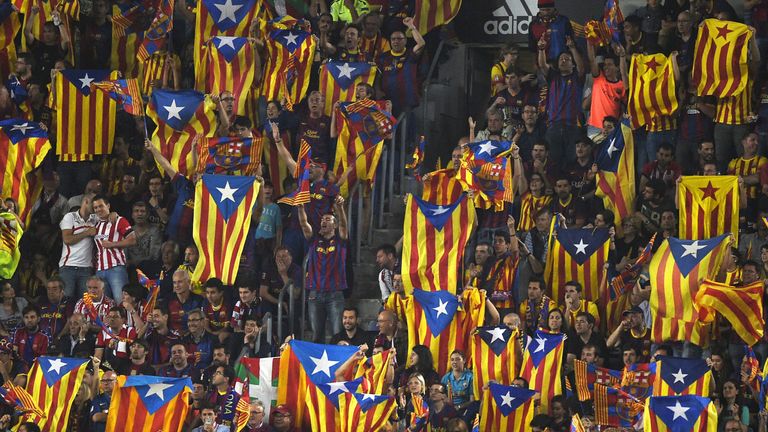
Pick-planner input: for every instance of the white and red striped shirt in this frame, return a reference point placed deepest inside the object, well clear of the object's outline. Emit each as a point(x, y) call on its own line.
point(102, 307)
point(106, 258)
point(117, 348)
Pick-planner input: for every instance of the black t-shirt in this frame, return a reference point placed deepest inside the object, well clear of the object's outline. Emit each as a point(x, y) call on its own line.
point(361, 337)
point(45, 59)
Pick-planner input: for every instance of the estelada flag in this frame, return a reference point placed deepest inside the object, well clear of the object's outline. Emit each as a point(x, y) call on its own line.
point(290, 53)
point(338, 80)
point(741, 305)
point(300, 195)
point(434, 237)
point(374, 370)
point(506, 408)
point(495, 358)
point(180, 116)
point(679, 413)
point(53, 383)
point(627, 277)
point(149, 404)
point(651, 88)
point(230, 155)
point(680, 376)
point(676, 270)
point(709, 206)
point(303, 365)
point(587, 375)
point(262, 375)
point(364, 412)
point(441, 322)
point(228, 65)
point(19, 399)
point(542, 365)
point(487, 171)
point(720, 66)
point(323, 403)
point(441, 187)
point(222, 18)
point(616, 173)
point(85, 119)
point(432, 13)
point(156, 36)
point(223, 208)
point(576, 254)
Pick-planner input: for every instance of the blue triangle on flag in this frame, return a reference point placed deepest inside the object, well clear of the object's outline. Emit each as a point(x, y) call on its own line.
point(688, 253)
point(497, 337)
point(679, 413)
point(680, 373)
point(439, 308)
point(53, 368)
point(437, 215)
point(229, 46)
point(540, 345)
point(176, 108)
point(320, 361)
point(156, 391)
point(226, 14)
point(289, 39)
point(582, 243)
point(610, 152)
point(509, 398)
point(81, 79)
point(488, 150)
point(345, 73)
point(227, 191)
point(18, 130)
point(368, 401)
point(333, 390)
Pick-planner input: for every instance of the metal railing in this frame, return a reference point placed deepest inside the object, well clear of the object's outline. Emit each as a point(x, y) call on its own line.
point(290, 287)
point(303, 321)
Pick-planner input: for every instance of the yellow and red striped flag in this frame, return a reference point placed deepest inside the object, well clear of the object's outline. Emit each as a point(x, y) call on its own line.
point(223, 208)
point(676, 270)
point(126, 39)
point(681, 376)
point(709, 206)
point(152, 71)
point(434, 238)
point(506, 408)
point(587, 375)
point(338, 80)
point(742, 306)
point(18, 398)
point(222, 18)
point(651, 88)
point(290, 53)
point(156, 37)
point(180, 116)
point(679, 413)
point(300, 195)
point(9, 27)
point(432, 13)
point(720, 66)
point(85, 119)
point(228, 65)
point(616, 173)
point(364, 412)
point(542, 364)
point(615, 407)
point(243, 407)
point(576, 424)
point(374, 371)
point(486, 170)
point(495, 358)
point(53, 383)
point(323, 403)
point(23, 146)
point(145, 403)
point(436, 320)
point(441, 187)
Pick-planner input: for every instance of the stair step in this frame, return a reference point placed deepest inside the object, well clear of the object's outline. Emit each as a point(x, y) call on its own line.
point(368, 309)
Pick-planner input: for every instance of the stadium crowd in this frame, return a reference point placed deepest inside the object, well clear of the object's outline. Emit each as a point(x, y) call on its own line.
point(96, 222)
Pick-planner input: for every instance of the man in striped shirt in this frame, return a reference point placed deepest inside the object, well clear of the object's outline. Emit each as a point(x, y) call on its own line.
point(112, 237)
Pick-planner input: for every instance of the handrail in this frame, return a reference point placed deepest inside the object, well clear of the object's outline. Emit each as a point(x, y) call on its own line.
point(289, 287)
point(403, 138)
point(382, 182)
point(355, 241)
point(428, 81)
point(303, 321)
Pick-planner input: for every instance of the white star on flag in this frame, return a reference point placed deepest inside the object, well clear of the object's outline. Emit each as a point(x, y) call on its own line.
point(679, 376)
point(24, 127)
point(322, 364)
point(290, 38)
point(486, 147)
point(678, 410)
point(173, 110)
point(612, 148)
point(226, 41)
point(581, 247)
point(227, 10)
point(56, 365)
point(542, 342)
point(441, 308)
point(227, 193)
point(498, 334)
point(157, 389)
point(346, 70)
point(337, 387)
point(692, 249)
point(85, 81)
point(507, 399)
point(440, 210)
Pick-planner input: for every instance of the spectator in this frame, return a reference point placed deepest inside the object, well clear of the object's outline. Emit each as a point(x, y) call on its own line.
point(554, 28)
point(222, 395)
point(100, 403)
point(102, 303)
point(253, 342)
point(352, 334)
point(574, 304)
point(281, 419)
point(92, 188)
point(139, 364)
point(51, 207)
point(76, 340)
point(249, 303)
point(440, 409)
point(10, 309)
point(30, 342)
point(386, 261)
point(458, 384)
point(314, 128)
point(77, 231)
point(401, 69)
point(216, 310)
point(199, 341)
point(506, 60)
point(111, 239)
point(160, 337)
point(55, 307)
point(182, 302)
point(179, 366)
point(122, 202)
point(208, 414)
point(348, 11)
point(256, 419)
point(372, 43)
point(278, 275)
point(112, 348)
point(148, 239)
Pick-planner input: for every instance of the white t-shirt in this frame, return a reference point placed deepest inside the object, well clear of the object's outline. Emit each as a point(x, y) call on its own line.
point(79, 254)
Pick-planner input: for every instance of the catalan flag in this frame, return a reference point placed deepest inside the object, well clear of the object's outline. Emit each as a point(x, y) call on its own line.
point(230, 155)
point(679, 413)
point(628, 276)
point(576, 424)
point(495, 357)
point(10, 235)
point(23, 146)
point(229, 64)
point(323, 403)
point(542, 364)
point(676, 270)
point(432, 13)
point(362, 127)
point(607, 30)
point(506, 408)
point(681, 376)
point(222, 18)
point(338, 80)
point(149, 404)
point(374, 370)
point(443, 323)
point(262, 375)
point(53, 383)
point(126, 92)
point(709, 206)
point(616, 173)
point(720, 66)
point(18, 399)
point(742, 306)
point(243, 407)
point(153, 69)
point(127, 35)
point(85, 119)
point(303, 365)
point(153, 290)
point(434, 238)
point(223, 208)
point(9, 27)
point(576, 254)
point(156, 36)
point(364, 412)
point(487, 171)
point(290, 53)
point(441, 187)
point(300, 195)
point(637, 379)
point(614, 407)
point(589, 374)
point(180, 116)
point(651, 88)
point(417, 158)
point(419, 416)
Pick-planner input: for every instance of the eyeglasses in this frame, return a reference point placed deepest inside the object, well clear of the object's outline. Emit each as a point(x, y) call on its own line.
point(257, 412)
point(194, 319)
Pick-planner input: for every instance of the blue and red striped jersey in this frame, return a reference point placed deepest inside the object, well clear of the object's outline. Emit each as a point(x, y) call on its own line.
point(401, 78)
point(564, 98)
point(327, 268)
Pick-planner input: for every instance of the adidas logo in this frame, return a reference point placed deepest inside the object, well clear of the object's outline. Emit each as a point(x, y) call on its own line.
point(512, 18)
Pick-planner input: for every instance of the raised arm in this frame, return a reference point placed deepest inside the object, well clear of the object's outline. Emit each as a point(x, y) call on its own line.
point(542, 56)
point(577, 59)
point(593, 66)
point(285, 155)
point(306, 228)
point(341, 215)
point(417, 37)
point(160, 159)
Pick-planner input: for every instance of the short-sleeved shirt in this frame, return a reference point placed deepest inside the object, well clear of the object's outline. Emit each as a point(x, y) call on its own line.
point(100, 404)
point(607, 97)
point(340, 12)
point(177, 311)
point(179, 226)
point(327, 264)
point(270, 222)
point(79, 254)
point(461, 388)
point(107, 258)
